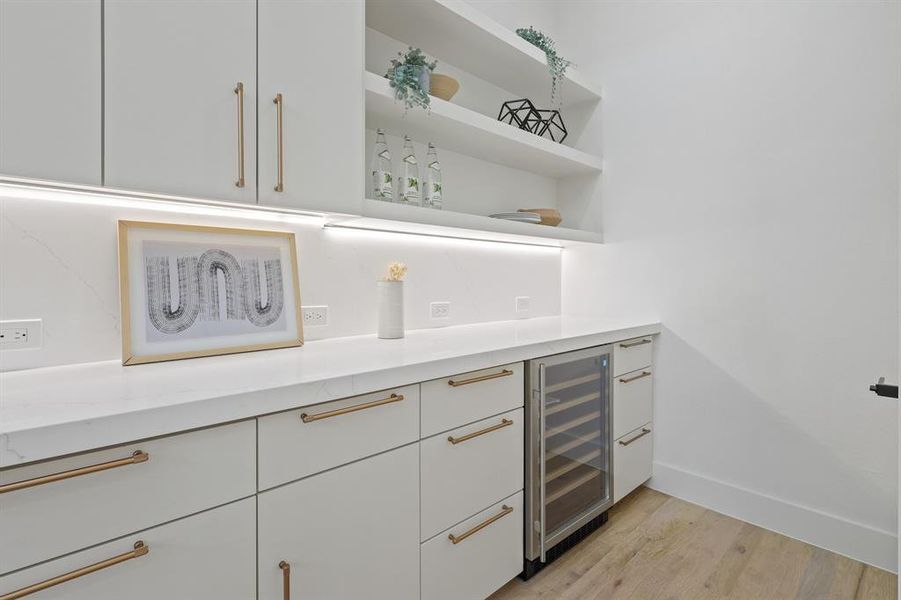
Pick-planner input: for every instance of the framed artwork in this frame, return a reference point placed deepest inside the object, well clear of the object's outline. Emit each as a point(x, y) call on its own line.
point(187, 291)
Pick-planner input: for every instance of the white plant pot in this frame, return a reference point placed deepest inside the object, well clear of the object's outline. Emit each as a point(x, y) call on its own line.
point(391, 309)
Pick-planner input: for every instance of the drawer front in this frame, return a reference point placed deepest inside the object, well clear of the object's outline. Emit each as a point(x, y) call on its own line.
point(454, 401)
point(350, 533)
point(633, 458)
point(633, 401)
point(301, 442)
point(483, 464)
point(479, 564)
point(182, 474)
point(632, 355)
point(208, 555)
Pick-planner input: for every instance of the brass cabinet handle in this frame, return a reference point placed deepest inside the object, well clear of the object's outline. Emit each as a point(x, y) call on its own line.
point(286, 578)
point(138, 456)
point(280, 185)
point(139, 550)
point(641, 375)
point(644, 432)
point(504, 373)
point(239, 91)
point(633, 344)
point(505, 510)
point(469, 436)
point(343, 411)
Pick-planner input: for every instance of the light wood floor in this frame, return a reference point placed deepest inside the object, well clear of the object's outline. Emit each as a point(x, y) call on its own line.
point(661, 548)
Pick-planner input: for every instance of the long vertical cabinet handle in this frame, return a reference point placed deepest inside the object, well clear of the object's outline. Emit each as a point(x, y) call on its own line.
point(279, 101)
point(286, 579)
point(239, 92)
point(542, 492)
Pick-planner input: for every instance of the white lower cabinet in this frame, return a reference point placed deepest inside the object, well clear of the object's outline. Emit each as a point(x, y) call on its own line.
point(476, 557)
point(466, 469)
point(352, 532)
point(205, 556)
point(633, 401)
point(467, 397)
point(134, 487)
point(633, 459)
point(302, 442)
point(632, 355)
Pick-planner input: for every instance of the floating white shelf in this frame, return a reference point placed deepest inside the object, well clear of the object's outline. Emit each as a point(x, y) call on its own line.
point(389, 216)
point(461, 130)
point(463, 36)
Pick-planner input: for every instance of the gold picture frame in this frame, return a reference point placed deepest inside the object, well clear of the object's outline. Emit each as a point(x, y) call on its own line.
point(138, 341)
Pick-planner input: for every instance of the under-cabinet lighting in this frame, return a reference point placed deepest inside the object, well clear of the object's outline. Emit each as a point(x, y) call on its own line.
point(440, 238)
point(48, 191)
point(31, 189)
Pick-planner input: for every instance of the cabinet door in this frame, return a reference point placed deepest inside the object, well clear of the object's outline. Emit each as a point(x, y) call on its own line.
point(208, 555)
point(171, 106)
point(352, 532)
point(311, 52)
point(50, 105)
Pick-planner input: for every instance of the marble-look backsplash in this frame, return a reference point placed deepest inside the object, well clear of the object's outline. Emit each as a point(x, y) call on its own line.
point(58, 262)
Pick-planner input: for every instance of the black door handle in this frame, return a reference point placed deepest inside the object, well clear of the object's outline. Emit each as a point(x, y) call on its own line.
point(883, 389)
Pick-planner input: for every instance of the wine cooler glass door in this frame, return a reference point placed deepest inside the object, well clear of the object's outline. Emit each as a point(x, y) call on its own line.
point(575, 458)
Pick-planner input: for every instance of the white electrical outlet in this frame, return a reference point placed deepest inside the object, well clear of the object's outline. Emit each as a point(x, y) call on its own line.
point(314, 316)
point(439, 310)
point(19, 335)
point(523, 304)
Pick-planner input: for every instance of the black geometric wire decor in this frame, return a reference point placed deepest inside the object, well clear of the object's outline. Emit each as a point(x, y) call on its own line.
point(552, 125)
point(542, 122)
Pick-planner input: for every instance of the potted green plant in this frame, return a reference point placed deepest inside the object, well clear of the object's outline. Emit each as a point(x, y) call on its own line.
point(555, 63)
point(409, 76)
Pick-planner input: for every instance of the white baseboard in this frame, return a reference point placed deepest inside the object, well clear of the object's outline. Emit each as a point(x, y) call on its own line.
point(854, 540)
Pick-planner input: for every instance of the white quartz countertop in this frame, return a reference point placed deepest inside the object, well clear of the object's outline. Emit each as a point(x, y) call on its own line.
point(55, 411)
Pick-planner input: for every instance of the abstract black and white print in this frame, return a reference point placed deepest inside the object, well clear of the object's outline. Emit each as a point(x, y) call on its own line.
point(200, 292)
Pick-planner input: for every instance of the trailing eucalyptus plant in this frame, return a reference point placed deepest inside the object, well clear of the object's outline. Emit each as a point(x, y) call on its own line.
point(555, 63)
point(409, 76)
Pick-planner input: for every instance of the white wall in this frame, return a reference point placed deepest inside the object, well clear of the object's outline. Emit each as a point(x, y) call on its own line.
point(750, 201)
point(58, 262)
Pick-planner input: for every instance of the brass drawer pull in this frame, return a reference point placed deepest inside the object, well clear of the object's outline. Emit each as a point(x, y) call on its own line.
point(139, 550)
point(505, 510)
point(239, 92)
point(641, 375)
point(504, 373)
point(633, 344)
point(138, 456)
point(469, 436)
point(644, 432)
point(343, 411)
point(280, 185)
point(286, 578)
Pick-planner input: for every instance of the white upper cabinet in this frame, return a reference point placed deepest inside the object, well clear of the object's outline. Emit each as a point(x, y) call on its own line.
point(311, 53)
point(50, 109)
point(173, 115)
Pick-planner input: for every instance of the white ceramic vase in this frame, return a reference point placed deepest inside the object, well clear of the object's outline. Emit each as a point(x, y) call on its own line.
point(391, 309)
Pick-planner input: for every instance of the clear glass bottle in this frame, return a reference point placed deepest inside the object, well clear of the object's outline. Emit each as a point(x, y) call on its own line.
point(432, 194)
point(382, 178)
point(410, 184)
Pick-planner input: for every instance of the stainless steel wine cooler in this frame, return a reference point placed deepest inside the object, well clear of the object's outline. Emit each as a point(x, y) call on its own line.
point(569, 474)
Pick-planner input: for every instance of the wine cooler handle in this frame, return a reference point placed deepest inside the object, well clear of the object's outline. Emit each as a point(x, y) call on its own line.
point(542, 492)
